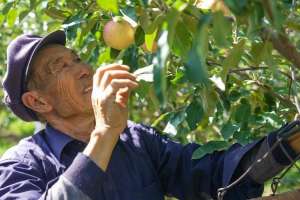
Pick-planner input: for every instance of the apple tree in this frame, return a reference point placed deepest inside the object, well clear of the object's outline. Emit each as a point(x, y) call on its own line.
point(215, 72)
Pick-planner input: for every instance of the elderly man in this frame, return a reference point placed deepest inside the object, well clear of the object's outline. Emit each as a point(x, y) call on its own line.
point(88, 150)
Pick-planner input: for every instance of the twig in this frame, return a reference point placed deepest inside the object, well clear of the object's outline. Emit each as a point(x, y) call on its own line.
point(267, 7)
point(282, 44)
point(247, 69)
point(295, 93)
point(285, 101)
point(290, 87)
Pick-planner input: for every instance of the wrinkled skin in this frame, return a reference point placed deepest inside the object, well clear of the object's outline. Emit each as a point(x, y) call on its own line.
point(68, 79)
point(76, 100)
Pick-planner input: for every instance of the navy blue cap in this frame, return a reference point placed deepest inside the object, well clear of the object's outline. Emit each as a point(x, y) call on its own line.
point(20, 53)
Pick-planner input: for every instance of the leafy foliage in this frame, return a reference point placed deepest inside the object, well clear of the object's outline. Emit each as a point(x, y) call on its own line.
point(222, 71)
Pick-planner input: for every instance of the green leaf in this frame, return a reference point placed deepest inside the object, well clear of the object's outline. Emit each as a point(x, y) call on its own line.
point(114, 53)
point(104, 56)
point(276, 17)
point(155, 24)
point(159, 61)
point(208, 148)
point(196, 63)
point(257, 52)
point(273, 118)
point(201, 37)
point(56, 13)
point(172, 18)
point(149, 39)
point(228, 130)
point(233, 58)
point(23, 14)
point(194, 114)
point(179, 77)
point(175, 120)
point(179, 5)
point(190, 22)
point(196, 69)
point(161, 118)
point(130, 56)
point(242, 136)
point(182, 42)
point(2, 18)
point(7, 7)
point(144, 3)
point(139, 36)
point(108, 5)
point(32, 4)
point(221, 29)
point(243, 111)
point(145, 20)
point(11, 17)
point(238, 7)
point(267, 56)
point(255, 20)
point(261, 52)
point(72, 4)
point(143, 89)
point(292, 24)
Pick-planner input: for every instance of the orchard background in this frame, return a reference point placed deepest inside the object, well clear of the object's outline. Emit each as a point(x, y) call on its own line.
point(225, 71)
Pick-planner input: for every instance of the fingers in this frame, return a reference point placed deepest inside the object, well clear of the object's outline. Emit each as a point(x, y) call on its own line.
point(115, 74)
point(122, 96)
point(100, 72)
point(118, 84)
point(114, 80)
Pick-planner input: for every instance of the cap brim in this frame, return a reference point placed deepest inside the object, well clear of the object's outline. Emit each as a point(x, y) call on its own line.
point(56, 37)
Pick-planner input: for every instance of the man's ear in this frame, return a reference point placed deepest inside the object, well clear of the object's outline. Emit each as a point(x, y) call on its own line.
point(36, 102)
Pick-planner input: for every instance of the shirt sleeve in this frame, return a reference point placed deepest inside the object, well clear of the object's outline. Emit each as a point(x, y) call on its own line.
point(63, 189)
point(24, 181)
point(185, 178)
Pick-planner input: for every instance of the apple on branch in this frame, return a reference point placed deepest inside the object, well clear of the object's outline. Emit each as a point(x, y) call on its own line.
point(118, 33)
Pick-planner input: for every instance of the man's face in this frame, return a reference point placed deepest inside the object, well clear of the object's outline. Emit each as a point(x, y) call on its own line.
point(69, 80)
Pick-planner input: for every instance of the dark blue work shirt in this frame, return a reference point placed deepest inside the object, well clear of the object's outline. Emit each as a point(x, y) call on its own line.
point(144, 166)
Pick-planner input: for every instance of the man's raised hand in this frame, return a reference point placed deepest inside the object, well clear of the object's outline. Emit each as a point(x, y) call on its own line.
point(111, 87)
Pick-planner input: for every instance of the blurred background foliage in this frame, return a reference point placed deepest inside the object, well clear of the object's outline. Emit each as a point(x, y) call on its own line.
point(225, 71)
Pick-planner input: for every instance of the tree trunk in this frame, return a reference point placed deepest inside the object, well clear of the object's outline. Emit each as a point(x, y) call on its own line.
point(292, 195)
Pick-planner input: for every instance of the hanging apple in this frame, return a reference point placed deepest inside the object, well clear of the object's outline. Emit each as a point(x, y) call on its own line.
point(118, 33)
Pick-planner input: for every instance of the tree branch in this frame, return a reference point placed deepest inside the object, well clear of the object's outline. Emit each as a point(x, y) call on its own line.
point(282, 44)
point(295, 92)
point(247, 69)
point(285, 101)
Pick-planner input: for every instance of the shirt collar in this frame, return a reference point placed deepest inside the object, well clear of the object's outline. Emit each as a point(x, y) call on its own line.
point(57, 140)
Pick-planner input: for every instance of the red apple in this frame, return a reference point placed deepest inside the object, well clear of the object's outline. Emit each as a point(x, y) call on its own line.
point(118, 33)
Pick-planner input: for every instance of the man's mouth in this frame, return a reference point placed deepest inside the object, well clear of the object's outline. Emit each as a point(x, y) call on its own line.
point(88, 89)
